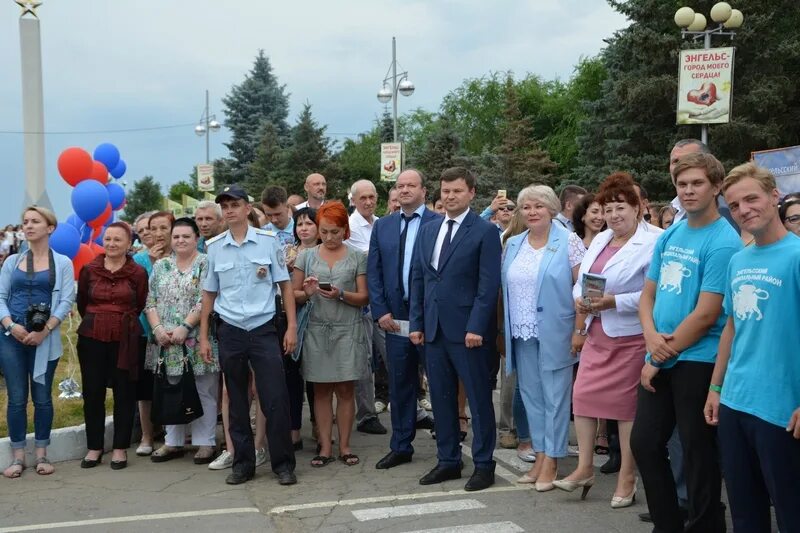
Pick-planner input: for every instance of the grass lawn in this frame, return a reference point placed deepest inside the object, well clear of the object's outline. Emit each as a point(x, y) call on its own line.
point(67, 412)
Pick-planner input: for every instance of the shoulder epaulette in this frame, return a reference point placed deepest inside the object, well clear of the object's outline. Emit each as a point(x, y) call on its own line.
point(212, 240)
point(267, 232)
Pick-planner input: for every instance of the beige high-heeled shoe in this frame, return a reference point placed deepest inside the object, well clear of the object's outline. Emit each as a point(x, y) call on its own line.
point(526, 478)
point(570, 486)
point(620, 502)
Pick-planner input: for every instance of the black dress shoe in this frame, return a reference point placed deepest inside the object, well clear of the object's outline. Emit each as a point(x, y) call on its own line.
point(119, 465)
point(425, 423)
point(393, 459)
point(645, 517)
point(237, 478)
point(372, 426)
point(440, 474)
point(91, 463)
point(613, 464)
point(286, 478)
point(480, 479)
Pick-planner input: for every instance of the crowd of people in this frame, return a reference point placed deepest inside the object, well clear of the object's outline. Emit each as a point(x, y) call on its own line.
point(665, 332)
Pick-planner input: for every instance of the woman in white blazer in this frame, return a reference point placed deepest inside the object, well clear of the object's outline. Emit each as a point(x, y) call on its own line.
point(612, 345)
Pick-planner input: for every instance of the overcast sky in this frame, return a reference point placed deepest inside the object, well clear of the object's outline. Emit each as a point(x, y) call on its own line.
point(127, 64)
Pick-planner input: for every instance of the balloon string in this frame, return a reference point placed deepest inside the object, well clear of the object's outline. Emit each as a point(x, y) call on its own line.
point(73, 355)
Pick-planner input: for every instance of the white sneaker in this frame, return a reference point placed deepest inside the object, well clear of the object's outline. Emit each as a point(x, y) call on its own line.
point(426, 404)
point(572, 451)
point(261, 456)
point(379, 407)
point(225, 460)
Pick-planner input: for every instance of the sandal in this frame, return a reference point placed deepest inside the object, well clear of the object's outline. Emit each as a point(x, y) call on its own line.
point(321, 460)
point(204, 455)
point(599, 449)
point(166, 453)
point(350, 459)
point(43, 466)
point(15, 473)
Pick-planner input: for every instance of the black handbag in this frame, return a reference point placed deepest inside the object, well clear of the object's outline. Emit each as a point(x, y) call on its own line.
point(175, 403)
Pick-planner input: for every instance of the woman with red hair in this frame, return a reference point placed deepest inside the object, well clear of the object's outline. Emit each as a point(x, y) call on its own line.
point(332, 278)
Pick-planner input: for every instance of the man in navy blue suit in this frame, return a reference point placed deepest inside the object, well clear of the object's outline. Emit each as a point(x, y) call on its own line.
point(455, 278)
point(389, 261)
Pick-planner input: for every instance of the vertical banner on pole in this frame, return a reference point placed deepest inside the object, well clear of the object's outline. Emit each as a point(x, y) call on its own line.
point(705, 86)
point(391, 161)
point(205, 177)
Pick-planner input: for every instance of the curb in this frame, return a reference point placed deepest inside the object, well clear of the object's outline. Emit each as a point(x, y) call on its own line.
point(66, 444)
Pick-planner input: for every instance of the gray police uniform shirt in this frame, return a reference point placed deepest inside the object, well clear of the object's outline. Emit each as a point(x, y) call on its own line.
point(244, 277)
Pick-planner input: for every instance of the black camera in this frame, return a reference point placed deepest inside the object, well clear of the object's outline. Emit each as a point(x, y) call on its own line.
point(36, 316)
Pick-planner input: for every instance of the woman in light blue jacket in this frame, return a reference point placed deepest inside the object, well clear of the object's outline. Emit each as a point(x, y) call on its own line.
point(37, 290)
point(539, 268)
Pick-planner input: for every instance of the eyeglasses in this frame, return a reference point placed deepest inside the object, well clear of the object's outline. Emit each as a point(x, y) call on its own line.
point(794, 219)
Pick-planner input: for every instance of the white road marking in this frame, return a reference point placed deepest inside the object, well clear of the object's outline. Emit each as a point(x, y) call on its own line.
point(493, 527)
point(122, 519)
point(393, 498)
point(419, 509)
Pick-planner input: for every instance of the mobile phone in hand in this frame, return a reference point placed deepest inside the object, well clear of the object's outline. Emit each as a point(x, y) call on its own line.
point(501, 193)
point(325, 286)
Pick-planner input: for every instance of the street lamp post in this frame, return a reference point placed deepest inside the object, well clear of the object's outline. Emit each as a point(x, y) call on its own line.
point(205, 126)
point(695, 25)
point(403, 86)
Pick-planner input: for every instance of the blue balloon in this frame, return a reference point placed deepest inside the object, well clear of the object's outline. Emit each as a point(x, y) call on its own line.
point(86, 233)
point(107, 154)
point(74, 220)
point(116, 195)
point(65, 240)
point(89, 199)
point(119, 170)
point(99, 239)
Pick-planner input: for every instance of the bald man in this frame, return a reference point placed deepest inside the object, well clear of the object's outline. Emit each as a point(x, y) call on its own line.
point(315, 188)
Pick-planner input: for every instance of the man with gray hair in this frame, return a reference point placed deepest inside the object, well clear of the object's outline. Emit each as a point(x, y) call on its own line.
point(208, 217)
point(365, 198)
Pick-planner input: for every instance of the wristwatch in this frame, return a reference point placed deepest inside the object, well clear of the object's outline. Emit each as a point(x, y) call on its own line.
point(341, 296)
point(582, 332)
point(10, 327)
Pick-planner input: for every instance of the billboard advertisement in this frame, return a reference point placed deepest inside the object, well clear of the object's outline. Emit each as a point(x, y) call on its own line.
point(705, 86)
point(205, 177)
point(784, 163)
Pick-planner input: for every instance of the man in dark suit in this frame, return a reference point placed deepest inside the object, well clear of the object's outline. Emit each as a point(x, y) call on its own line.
point(455, 278)
point(389, 260)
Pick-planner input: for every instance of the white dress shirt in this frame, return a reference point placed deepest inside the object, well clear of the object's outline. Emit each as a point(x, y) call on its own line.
point(567, 223)
point(360, 231)
point(437, 248)
point(305, 204)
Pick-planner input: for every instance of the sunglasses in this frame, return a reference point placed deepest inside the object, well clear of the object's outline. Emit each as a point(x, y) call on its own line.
point(507, 208)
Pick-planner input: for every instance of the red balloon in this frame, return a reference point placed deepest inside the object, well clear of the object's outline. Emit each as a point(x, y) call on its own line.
point(75, 164)
point(99, 172)
point(85, 255)
point(96, 249)
point(99, 221)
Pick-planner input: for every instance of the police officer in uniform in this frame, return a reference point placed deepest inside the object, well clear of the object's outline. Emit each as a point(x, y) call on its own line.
point(245, 265)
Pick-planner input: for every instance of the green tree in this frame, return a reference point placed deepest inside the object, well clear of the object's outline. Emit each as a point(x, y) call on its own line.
point(177, 190)
point(258, 99)
point(264, 167)
point(632, 125)
point(441, 150)
point(475, 110)
point(144, 196)
point(523, 161)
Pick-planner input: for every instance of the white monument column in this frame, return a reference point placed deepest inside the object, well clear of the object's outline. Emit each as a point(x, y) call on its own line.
point(32, 104)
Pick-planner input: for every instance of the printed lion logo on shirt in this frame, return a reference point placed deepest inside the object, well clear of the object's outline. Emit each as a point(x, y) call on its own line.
point(672, 274)
point(745, 301)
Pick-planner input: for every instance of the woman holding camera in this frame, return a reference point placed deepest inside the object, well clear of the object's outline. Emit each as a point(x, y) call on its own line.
point(36, 294)
point(112, 291)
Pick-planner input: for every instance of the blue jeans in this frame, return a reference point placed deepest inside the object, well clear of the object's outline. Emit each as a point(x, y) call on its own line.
point(17, 360)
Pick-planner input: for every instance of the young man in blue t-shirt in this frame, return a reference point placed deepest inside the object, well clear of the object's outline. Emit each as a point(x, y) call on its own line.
point(754, 394)
point(681, 314)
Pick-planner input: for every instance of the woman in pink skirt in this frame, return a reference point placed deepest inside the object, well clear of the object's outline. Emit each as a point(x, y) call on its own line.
point(612, 346)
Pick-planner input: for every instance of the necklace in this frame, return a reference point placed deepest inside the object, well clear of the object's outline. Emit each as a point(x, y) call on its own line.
point(620, 241)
